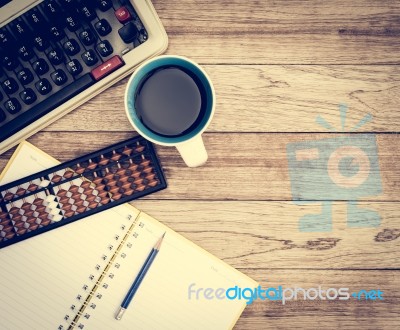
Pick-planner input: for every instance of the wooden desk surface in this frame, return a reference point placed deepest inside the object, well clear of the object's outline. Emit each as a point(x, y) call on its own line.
point(276, 66)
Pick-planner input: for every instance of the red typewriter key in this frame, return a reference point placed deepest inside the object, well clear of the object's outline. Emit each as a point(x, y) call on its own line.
point(123, 15)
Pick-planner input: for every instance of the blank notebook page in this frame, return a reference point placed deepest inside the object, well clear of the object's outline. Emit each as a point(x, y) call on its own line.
point(46, 279)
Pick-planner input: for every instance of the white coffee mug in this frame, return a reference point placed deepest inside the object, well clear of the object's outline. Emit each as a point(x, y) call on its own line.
point(190, 145)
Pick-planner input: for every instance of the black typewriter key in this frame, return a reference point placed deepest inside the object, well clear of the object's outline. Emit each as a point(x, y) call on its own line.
point(74, 67)
point(103, 27)
point(28, 96)
point(6, 40)
point(72, 22)
point(55, 56)
point(10, 85)
point(21, 30)
point(9, 62)
point(12, 105)
point(56, 33)
point(40, 66)
point(36, 20)
point(25, 53)
point(86, 11)
point(68, 4)
point(40, 43)
point(89, 57)
point(25, 76)
point(104, 5)
point(72, 47)
point(87, 37)
point(43, 86)
point(59, 77)
point(104, 48)
point(52, 10)
point(128, 32)
point(2, 116)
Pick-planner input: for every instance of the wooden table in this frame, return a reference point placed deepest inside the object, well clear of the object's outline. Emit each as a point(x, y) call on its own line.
point(276, 66)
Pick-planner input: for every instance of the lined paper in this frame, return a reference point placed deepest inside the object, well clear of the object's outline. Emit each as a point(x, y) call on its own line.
point(46, 279)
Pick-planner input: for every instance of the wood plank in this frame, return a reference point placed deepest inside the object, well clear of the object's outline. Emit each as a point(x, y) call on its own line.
point(267, 235)
point(326, 314)
point(267, 98)
point(277, 32)
point(243, 166)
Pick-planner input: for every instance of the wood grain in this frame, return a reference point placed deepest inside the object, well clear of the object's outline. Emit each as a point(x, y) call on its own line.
point(283, 32)
point(325, 314)
point(267, 98)
point(276, 66)
point(240, 167)
point(267, 234)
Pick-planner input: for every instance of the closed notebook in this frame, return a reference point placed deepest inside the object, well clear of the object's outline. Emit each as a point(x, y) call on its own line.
point(76, 276)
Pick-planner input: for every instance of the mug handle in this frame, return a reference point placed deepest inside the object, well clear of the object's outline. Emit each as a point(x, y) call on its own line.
point(193, 152)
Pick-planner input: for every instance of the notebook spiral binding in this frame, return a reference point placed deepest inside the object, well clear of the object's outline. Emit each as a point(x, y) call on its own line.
point(104, 275)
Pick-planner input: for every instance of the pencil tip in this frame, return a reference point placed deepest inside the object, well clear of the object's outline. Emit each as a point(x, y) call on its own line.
point(163, 234)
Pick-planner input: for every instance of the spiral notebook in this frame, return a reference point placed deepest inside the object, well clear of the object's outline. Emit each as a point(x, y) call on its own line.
point(76, 277)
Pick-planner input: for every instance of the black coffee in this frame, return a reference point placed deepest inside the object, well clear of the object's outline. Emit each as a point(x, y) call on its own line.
point(170, 101)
